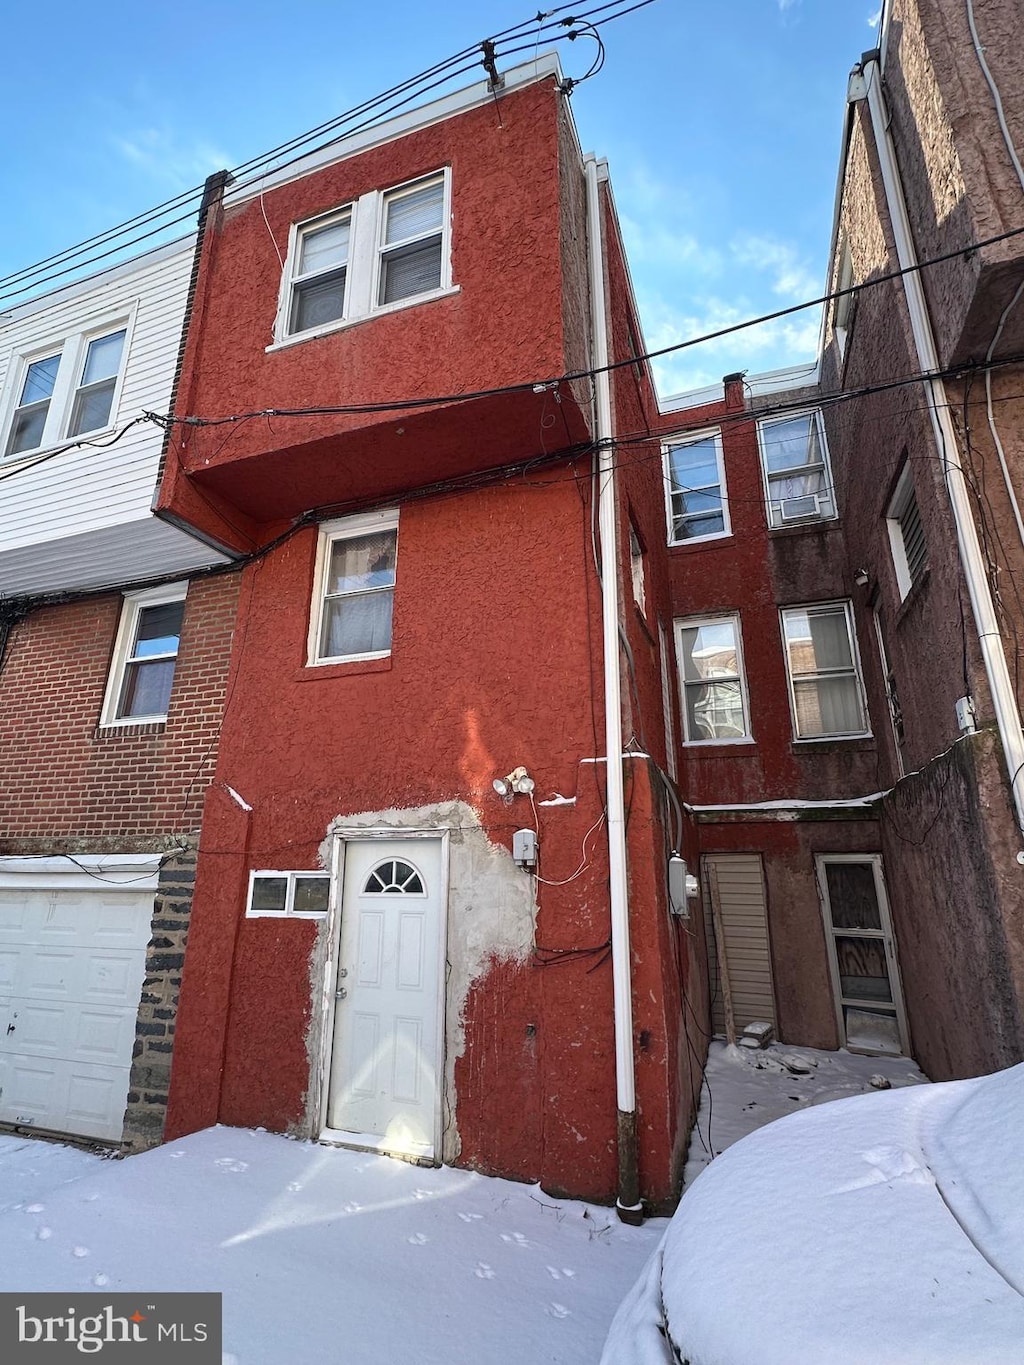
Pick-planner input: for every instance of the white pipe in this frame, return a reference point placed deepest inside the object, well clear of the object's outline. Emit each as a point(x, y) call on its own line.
point(621, 976)
point(1000, 684)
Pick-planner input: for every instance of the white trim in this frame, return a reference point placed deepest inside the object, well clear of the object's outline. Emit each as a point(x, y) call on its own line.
point(131, 608)
point(818, 607)
point(828, 494)
point(291, 876)
point(904, 494)
point(320, 1079)
point(691, 438)
point(888, 938)
point(426, 115)
point(347, 528)
point(367, 216)
point(82, 871)
point(72, 349)
point(682, 623)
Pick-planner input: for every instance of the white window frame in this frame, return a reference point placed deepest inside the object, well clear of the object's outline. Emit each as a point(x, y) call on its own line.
point(773, 506)
point(290, 276)
point(289, 911)
point(846, 606)
point(365, 250)
point(904, 494)
point(72, 348)
point(131, 609)
point(637, 570)
point(695, 622)
point(348, 528)
point(695, 438)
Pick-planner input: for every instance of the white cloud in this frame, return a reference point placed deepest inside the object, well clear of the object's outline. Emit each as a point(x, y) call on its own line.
point(764, 346)
point(156, 151)
point(874, 19)
point(791, 278)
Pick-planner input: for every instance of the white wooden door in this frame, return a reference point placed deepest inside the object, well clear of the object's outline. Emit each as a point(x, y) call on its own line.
point(862, 953)
point(71, 970)
point(386, 1067)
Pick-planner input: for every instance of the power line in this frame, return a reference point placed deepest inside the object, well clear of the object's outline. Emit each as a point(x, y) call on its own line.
point(78, 258)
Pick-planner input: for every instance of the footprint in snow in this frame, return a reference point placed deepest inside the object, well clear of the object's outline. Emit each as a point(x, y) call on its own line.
point(559, 1310)
point(417, 1239)
point(44, 1233)
point(80, 1252)
point(564, 1273)
point(34, 1208)
point(88, 1198)
point(294, 1186)
point(421, 1194)
point(350, 1207)
point(483, 1271)
point(100, 1280)
point(230, 1164)
point(517, 1238)
point(470, 1217)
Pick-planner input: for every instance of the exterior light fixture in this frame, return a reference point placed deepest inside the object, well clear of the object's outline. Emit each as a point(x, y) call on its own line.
point(517, 782)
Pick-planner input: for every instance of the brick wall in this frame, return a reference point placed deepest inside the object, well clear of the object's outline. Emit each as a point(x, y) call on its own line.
point(64, 782)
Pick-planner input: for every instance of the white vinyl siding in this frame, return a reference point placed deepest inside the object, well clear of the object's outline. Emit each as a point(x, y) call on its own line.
point(736, 881)
point(52, 509)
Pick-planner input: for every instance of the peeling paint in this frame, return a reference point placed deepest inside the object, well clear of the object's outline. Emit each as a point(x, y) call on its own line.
point(492, 915)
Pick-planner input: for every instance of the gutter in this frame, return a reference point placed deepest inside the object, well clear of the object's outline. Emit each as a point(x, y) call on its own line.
point(1008, 719)
point(627, 1203)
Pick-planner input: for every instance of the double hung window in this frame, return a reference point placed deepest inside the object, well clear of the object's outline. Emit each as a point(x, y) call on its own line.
point(383, 250)
point(145, 656)
point(355, 589)
point(713, 687)
point(67, 393)
point(794, 461)
point(321, 269)
point(824, 671)
point(695, 479)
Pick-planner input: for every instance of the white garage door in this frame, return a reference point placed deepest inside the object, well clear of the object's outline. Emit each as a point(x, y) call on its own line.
point(72, 962)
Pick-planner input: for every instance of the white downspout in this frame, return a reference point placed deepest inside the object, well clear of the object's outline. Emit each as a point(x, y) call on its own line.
point(1000, 684)
point(628, 1202)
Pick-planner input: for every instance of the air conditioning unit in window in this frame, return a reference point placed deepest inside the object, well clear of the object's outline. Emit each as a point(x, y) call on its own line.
point(800, 509)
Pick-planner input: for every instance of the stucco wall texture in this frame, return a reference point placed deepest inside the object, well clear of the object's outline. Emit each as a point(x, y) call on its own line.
point(496, 611)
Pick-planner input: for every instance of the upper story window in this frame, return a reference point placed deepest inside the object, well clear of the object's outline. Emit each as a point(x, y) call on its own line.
point(321, 269)
point(825, 686)
point(636, 569)
point(698, 508)
point(145, 656)
point(386, 250)
point(794, 461)
point(66, 393)
point(411, 255)
point(355, 589)
point(714, 689)
point(906, 534)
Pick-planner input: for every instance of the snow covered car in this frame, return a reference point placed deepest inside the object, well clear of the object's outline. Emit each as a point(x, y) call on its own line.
point(885, 1228)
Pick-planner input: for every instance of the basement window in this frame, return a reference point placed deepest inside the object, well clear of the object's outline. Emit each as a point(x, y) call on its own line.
point(291, 895)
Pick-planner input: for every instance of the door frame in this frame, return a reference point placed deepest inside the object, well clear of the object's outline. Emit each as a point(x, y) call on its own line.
point(341, 838)
point(886, 934)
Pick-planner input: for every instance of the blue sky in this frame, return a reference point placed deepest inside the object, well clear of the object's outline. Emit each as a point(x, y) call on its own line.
point(721, 124)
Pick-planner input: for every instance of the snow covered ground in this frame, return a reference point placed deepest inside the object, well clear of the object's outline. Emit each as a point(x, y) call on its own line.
point(321, 1254)
point(746, 1088)
point(324, 1255)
